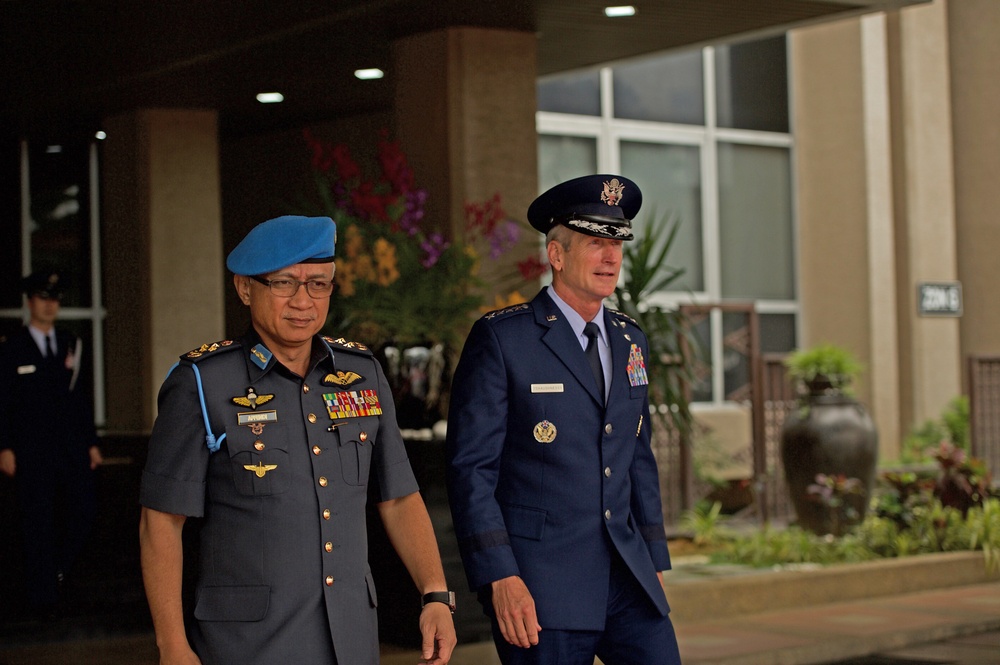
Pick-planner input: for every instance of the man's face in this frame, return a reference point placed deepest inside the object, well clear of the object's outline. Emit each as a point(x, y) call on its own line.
point(286, 322)
point(588, 269)
point(43, 311)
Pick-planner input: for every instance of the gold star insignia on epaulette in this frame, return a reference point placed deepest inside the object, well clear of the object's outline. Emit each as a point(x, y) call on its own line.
point(253, 400)
point(342, 378)
point(340, 341)
point(208, 348)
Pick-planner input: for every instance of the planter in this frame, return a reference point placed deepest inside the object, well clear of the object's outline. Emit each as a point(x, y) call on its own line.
point(832, 434)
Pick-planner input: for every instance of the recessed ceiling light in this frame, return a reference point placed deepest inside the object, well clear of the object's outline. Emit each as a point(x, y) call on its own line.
point(270, 97)
point(100, 135)
point(369, 74)
point(622, 10)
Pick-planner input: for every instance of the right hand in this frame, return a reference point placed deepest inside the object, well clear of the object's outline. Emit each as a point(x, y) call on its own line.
point(7, 462)
point(515, 612)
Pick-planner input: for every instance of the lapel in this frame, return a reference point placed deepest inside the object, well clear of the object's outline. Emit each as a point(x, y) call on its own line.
point(620, 348)
point(559, 338)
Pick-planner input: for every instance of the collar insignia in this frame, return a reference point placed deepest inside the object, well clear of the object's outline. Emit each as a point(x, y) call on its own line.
point(260, 356)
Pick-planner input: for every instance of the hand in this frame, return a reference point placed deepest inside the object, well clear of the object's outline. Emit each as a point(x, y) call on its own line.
point(179, 654)
point(7, 462)
point(438, 629)
point(96, 459)
point(515, 610)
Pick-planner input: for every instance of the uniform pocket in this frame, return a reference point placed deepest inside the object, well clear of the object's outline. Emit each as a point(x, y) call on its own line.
point(524, 522)
point(357, 436)
point(259, 467)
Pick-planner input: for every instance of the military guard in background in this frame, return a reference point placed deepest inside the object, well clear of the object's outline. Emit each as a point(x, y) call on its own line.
point(551, 478)
point(48, 443)
point(272, 438)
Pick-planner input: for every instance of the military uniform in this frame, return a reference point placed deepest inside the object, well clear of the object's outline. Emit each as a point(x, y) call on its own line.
point(279, 467)
point(47, 420)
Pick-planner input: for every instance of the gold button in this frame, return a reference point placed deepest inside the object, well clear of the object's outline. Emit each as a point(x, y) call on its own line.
point(326, 514)
point(608, 428)
point(305, 388)
point(328, 547)
point(259, 445)
point(364, 436)
point(317, 450)
point(329, 580)
point(311, 417)
point(323, 481)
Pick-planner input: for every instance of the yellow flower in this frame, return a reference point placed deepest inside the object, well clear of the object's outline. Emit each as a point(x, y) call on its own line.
point(353, 243)
point(345, 277)
point(499, 302)
point(385, 262)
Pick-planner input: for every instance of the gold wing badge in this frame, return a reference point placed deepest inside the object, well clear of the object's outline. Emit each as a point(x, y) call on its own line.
point(342, 378)
point(252, 400)
point(260, 468)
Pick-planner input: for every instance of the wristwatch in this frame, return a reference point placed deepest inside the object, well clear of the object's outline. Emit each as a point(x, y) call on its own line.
point(446, 597)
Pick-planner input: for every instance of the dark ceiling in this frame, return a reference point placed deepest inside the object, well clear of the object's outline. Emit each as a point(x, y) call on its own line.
point(67, 63)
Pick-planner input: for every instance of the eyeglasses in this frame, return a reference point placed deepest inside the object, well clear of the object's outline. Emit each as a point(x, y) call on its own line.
point(285, 287)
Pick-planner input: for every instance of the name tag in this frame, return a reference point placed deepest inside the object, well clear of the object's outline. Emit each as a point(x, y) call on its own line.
point(251, 417)
point(26, 369)
point(546, 387)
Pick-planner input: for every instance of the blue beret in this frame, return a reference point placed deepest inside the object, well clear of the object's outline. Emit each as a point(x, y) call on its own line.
point(601, 205)
point(44, 283)
point(282, 242)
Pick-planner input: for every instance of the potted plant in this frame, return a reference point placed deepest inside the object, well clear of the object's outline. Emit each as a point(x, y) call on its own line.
point(830, 436)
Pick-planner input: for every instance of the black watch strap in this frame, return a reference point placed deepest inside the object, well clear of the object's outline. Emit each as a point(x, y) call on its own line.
point(446, 597)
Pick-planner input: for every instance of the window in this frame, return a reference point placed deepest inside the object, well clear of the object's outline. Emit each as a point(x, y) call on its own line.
point(705, 134)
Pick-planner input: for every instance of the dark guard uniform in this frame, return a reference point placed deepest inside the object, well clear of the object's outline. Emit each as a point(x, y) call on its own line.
point(284, 567)
point(48, 423)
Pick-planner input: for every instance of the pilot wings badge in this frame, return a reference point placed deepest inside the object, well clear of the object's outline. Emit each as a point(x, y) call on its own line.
point(260, 468)
point(253, 400)
point(342, 378)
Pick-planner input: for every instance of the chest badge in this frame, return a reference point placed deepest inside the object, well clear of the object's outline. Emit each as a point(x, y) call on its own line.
point(342, 379)
point(260, 468)
point(636, 367)
point(252, 399)
point(545, 432)
point(352, 404)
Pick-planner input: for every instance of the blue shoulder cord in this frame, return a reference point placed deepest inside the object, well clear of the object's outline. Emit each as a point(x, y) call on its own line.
point(210, 440)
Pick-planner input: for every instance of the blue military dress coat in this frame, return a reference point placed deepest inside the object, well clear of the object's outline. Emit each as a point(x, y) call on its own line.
point(278, 466)
point(546, 480)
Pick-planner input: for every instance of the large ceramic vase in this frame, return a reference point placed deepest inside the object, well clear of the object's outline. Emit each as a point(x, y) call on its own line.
point(831, 434)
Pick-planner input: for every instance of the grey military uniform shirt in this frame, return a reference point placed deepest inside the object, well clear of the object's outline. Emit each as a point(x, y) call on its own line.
point(283, 570)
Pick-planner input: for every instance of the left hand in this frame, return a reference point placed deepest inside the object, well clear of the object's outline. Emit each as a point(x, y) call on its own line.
point(96, 459)
point(438, 630)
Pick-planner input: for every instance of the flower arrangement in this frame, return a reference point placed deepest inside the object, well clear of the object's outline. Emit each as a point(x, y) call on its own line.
point(400, 281)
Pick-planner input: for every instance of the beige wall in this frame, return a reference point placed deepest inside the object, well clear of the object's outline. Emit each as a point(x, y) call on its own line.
point(162, 237)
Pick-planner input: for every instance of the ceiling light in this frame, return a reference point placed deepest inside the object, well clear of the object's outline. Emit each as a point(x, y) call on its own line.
point(369, 74)
point(622, 10)
point(53, 149)
point(270, 97)
point(101, 135)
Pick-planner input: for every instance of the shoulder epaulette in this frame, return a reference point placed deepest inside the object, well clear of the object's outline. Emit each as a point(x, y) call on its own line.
point(621, 315)
point(345, 345)
point(206, 350)
point(521, 307)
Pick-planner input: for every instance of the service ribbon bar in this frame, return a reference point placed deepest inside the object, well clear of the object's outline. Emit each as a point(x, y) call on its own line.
point(352, 404)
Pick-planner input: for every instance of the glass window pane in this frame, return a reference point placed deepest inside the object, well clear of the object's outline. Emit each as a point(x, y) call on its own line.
point(578, 92)
point(735, 361)
point(777, 333)
point(701, 332)
point(563, 157)
point(751, 85)
point(755, 222)
point(667, 88)
point(60, 214)
point(670, 179)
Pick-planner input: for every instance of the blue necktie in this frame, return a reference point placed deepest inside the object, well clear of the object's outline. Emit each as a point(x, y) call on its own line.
point(594, 355)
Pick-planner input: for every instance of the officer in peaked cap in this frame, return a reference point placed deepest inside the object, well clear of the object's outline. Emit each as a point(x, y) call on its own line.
point(271, 438)
point(553, 485)
point(48, 443)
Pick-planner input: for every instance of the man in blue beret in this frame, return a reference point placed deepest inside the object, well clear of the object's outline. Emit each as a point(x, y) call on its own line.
point(552, 482)
point(48, 443)
point(271, 440)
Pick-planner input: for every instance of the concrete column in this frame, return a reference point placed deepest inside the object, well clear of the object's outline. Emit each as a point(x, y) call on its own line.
point(162, 239)
point(465, 114)
point(975, 92)
point(925, 214)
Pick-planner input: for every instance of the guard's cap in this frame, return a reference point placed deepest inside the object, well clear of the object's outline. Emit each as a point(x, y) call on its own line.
point(43, 283)
point(282, 242)
point(601, 205)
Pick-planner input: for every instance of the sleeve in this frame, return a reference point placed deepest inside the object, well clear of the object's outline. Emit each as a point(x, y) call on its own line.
point(646, 505)
point(477, 428)
point(394, 474)
point(173, 480)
